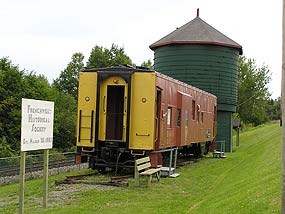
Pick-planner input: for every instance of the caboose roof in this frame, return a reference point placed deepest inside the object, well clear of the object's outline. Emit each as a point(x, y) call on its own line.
point(196, 31)
point(122, 68)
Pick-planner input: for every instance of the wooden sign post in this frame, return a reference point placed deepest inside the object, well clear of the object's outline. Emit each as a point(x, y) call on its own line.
point(36, 134)
point(45, 179)
point(22, 182)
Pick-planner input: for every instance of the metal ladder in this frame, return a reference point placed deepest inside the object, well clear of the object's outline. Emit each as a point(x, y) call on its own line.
point(91, 127)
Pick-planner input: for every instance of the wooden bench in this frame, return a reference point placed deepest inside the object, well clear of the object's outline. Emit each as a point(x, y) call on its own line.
point(142, 168)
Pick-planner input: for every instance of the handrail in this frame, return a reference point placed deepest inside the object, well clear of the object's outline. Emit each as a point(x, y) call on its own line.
point(79, 125)
point(91, 125)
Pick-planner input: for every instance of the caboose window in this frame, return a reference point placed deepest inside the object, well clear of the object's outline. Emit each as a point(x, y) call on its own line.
point(169, 116)
point(198, 113)
point(178, 117)
point(193, 109)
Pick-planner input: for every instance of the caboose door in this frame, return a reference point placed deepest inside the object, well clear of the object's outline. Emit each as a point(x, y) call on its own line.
point(113, 109)
point(157, 117)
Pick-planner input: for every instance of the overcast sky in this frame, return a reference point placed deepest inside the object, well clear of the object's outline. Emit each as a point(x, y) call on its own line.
point(42, 35)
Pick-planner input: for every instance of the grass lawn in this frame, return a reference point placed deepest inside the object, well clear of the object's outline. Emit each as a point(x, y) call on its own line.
point(247, 181)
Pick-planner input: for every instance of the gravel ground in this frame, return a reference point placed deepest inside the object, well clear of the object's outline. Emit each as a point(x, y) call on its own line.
point(58, 195)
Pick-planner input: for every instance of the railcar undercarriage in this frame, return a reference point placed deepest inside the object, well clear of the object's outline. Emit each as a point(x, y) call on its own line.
point(114, 156)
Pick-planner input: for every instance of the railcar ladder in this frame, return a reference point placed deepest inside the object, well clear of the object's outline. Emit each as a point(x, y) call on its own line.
point(82, 119)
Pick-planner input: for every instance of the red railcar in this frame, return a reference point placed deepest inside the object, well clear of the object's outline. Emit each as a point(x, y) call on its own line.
point(186, 116)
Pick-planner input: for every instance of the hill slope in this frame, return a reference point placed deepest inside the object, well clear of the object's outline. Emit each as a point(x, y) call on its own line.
point(247, 181)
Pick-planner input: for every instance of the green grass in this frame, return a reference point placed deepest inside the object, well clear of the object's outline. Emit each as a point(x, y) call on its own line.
point(247, 181)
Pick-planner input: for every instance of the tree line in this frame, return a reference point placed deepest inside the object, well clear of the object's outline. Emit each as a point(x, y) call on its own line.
point(255, 106)
point(254, 103)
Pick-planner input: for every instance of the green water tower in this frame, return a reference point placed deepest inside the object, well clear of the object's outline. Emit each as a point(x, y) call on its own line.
point(200, 55)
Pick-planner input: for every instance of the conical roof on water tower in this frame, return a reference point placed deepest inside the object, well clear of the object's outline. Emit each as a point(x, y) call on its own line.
point(202, 56)
point(196, 31)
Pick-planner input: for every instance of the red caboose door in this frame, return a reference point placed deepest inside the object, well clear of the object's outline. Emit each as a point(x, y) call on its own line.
point(183, 103)
point(178, 115)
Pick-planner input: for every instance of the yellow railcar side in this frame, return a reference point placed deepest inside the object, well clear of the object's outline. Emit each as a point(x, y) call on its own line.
point(142, 111)
point(86, 109)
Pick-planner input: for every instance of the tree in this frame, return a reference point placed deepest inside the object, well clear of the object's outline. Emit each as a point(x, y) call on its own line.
point(253, 94)
point(5, 148)
point(11, 86)
point(68, 78)
point(65, 110)
point(16, 84)
point(102, 57)
point(274, 109)
point(147, 64)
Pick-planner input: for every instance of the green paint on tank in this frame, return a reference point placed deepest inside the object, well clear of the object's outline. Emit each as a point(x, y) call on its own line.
point(211, 68)
point(224, 129)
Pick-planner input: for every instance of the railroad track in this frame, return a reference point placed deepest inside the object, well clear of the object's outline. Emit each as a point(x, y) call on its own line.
point(118, 181)
point(34, 165)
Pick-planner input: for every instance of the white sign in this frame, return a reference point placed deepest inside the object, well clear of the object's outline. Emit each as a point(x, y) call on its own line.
point(37, 125)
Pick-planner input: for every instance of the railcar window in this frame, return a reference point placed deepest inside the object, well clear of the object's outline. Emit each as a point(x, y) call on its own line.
point(169, 116)
point(178, 117)
point(186, 118)
point(198, 113)
point(193, 109)
point(202, 117)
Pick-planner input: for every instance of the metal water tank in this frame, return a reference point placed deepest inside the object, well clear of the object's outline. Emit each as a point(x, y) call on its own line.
point(200, 55)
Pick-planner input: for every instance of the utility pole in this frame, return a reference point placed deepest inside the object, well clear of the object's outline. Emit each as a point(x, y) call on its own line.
point(283, 107)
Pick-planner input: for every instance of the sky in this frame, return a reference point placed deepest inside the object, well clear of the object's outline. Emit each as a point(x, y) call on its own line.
point(42, 35)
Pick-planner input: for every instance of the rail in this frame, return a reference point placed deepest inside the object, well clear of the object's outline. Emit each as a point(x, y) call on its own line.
point(11, 166)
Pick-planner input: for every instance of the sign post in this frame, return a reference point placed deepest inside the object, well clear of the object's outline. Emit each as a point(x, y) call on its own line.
point(22, 182)
point(45, 178)
point(36, 134)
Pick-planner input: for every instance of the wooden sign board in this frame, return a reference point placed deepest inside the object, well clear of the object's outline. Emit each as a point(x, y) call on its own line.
point(37, 125)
